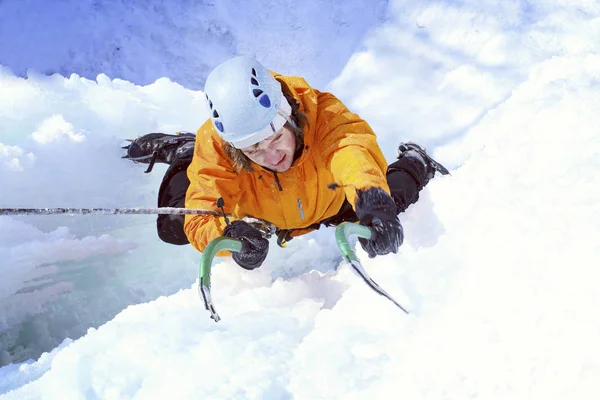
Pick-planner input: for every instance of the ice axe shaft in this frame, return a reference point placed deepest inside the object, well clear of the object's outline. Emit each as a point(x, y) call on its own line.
point(342, 232)
point(211, 250)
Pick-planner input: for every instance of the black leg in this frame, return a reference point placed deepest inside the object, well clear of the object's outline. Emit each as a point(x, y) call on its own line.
point(172, 194)
point(406, 177)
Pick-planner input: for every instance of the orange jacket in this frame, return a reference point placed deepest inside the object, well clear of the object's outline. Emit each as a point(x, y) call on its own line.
point(339, 147)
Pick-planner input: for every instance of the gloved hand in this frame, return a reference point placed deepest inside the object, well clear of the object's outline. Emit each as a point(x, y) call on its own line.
point(377, 210)
point(254, 246)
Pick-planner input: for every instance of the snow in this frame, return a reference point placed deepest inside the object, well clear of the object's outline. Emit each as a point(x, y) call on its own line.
point(144, 40)
point(499, 267)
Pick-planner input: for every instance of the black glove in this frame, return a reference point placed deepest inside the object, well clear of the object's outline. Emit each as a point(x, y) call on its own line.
point(377, 210)
point(254, 246)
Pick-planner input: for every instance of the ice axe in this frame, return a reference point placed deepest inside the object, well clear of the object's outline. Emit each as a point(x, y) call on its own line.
point(342, 233)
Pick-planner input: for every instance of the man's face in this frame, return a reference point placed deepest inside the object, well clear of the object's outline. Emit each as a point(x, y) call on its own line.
point(275, 152)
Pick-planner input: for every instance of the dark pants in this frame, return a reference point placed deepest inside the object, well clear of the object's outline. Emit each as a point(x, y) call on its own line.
point(406, 177)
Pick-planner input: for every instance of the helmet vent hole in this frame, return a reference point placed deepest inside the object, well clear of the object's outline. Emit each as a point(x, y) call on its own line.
point(257, 92)
point(254, 81)
point(219, 126)
point(253, 72)
point(265, 101)
point(215, 114)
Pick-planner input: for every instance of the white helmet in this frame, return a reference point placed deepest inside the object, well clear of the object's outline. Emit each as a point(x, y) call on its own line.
point(246, 103)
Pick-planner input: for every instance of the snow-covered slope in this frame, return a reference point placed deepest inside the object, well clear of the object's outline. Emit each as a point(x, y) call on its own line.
point(143, 40)
point(504, 300)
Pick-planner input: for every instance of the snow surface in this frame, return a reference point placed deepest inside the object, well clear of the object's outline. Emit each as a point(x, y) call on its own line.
point(499, 267)
point(143, 40)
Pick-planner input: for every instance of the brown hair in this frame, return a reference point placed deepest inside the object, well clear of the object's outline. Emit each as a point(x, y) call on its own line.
point(243, 163)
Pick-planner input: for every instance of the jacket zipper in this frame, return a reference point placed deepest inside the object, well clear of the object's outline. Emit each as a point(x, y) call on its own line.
point(277, 181)
point(298, 201)
point(300, 209)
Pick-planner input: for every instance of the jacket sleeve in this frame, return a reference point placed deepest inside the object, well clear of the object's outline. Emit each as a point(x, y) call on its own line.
point(350, 148)
point(211, 176)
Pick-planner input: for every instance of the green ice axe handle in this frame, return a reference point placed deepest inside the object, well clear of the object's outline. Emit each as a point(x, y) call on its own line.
point(343, 231)
point(211, 250)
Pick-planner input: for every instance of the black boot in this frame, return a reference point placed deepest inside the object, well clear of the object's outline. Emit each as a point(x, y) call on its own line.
point(410, 149)
point(160, 147)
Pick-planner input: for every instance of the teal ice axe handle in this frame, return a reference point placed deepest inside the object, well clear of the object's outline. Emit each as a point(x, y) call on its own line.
point(211, 250)
point(342, 232)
